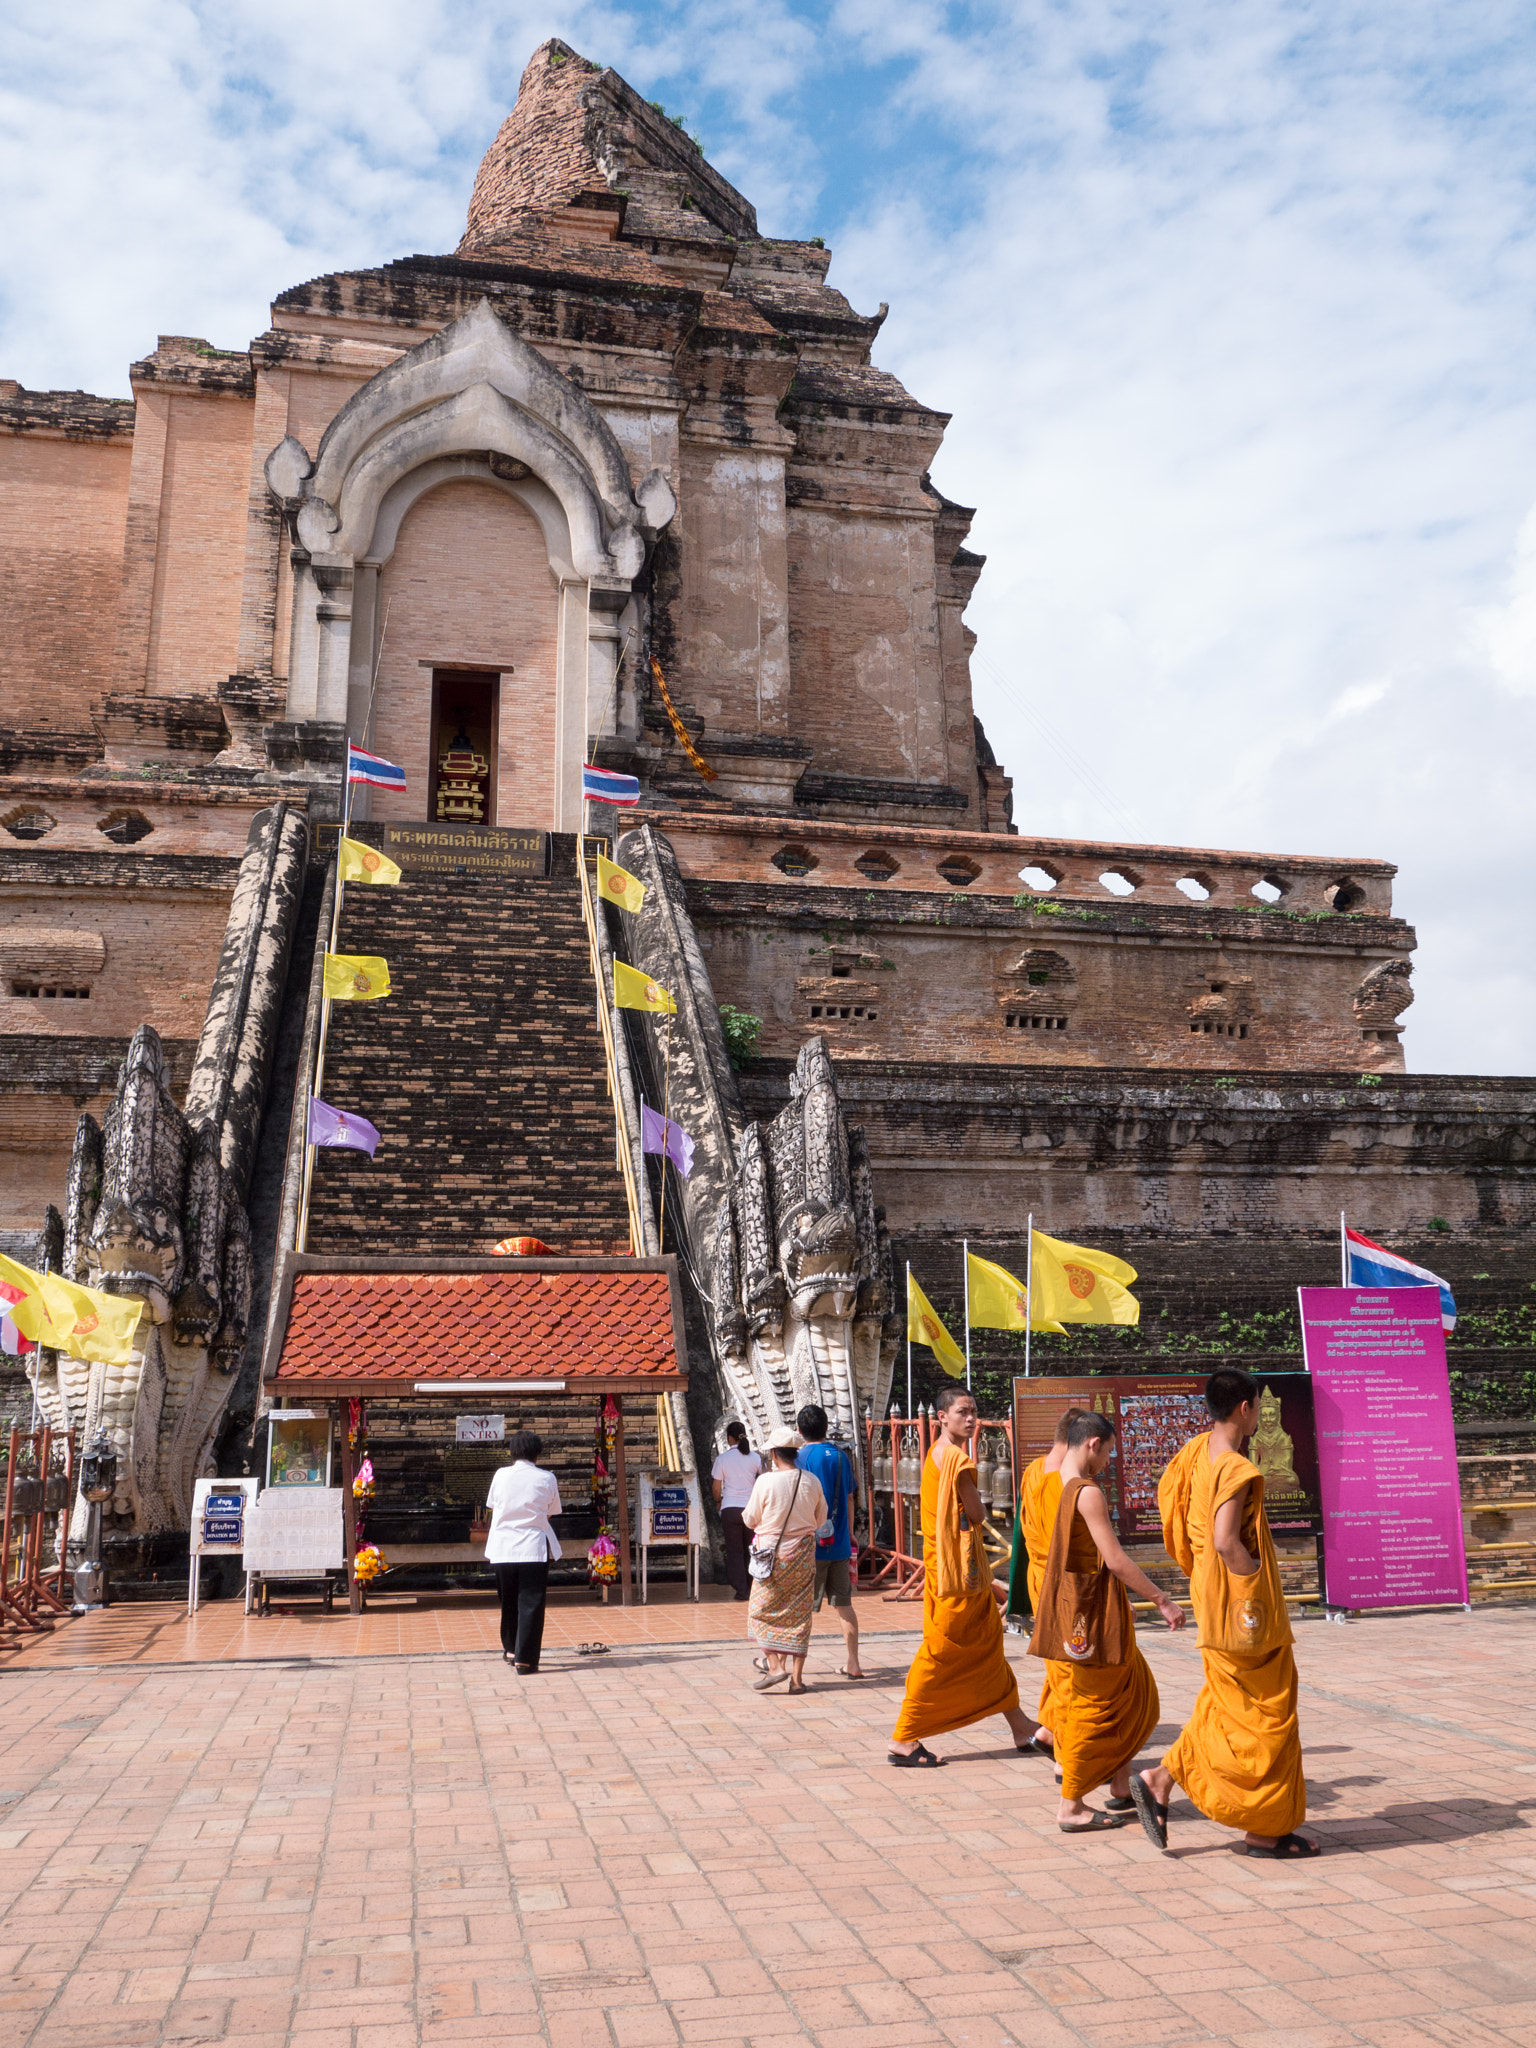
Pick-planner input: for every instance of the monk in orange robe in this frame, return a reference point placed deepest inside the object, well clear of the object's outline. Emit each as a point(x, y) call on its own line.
point(961, 1673)
point(1239, 1757)
point(1104, 1712)
point(1039, 1498)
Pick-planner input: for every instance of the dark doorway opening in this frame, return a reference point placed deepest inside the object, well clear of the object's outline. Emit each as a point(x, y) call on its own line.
point(465, 714)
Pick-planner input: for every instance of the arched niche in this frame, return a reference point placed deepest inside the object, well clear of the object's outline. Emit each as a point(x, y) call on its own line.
point(474, 403)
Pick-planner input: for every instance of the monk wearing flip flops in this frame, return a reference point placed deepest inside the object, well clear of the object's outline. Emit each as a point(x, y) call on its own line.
point(1039, 1498)
point(1239, 1758)
point(1103, 1694)
point(961, 1673)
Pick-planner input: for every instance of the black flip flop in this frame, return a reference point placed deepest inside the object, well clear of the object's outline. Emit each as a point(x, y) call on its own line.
point(1125, 1805)
point(1153, 1817)
point(921, 1759)
point(1289, 1849)
point(1096, 1824)
point(1035, 1747)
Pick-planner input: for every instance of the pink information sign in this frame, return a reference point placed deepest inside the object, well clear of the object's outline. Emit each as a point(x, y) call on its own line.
point(1386, 1446)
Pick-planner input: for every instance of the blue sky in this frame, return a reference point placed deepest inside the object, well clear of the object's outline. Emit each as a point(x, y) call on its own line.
point(1234, 306)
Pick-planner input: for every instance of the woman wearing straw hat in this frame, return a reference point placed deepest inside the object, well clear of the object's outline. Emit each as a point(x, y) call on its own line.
point(785, 1513)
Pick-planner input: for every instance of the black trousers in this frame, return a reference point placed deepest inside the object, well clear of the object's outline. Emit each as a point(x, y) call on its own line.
point(521, 1589)
point(738, 1541)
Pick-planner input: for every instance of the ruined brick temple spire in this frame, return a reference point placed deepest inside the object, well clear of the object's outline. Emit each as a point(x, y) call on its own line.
point(579, 133)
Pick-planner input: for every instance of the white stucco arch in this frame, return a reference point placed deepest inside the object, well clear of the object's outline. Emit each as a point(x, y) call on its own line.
point(445, 410)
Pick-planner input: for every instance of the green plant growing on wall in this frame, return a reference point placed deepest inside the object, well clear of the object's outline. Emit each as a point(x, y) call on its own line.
point(1373, 1081)
point(742, 1031)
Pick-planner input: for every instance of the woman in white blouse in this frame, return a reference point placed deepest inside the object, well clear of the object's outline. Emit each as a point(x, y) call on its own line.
point(520, 1547)
point(786, 1510)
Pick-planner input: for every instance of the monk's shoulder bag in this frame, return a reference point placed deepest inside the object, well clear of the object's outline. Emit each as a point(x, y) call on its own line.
point(1079, 1620)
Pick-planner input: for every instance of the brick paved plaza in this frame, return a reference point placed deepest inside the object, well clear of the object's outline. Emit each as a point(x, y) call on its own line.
point(364, 1851)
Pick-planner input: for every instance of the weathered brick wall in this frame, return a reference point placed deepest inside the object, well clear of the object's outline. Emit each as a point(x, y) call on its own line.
point(731, 618)
point(483, 1070)
point(63, 509)
point(469, 586)
point(893, 974)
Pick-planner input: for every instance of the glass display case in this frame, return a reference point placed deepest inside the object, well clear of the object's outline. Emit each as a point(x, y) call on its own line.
point(299, 1448)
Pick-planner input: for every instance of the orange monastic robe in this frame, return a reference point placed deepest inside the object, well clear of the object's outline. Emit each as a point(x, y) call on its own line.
point(961, 1673)
point(1039, 1498)
point(1103, 1712)
point(1239, 1757)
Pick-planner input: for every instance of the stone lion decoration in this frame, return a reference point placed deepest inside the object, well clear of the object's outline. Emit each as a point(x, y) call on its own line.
point(799, 1275)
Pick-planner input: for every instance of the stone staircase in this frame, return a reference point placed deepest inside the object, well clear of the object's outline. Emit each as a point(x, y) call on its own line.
point(483, 1071)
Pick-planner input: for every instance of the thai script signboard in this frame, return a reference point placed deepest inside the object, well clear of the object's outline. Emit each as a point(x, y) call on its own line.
point(1387, 1446)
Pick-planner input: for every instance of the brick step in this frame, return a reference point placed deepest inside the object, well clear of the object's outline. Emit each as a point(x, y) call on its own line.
point(483, 1071)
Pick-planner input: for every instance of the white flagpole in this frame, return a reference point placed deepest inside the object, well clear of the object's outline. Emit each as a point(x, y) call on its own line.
point(909, 1340)
point(1029, 1287)
point(965, 1248)
point(1343, 1253)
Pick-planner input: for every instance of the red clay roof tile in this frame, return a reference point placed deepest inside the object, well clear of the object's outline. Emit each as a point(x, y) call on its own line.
point(492, 1326)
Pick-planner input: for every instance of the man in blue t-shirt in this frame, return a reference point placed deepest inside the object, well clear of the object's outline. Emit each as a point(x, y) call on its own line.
point(832, 1467)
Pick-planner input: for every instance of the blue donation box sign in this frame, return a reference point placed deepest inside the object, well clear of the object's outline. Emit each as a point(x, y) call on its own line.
point(669, 1513)
point(221, 1513)
point(223, 1518)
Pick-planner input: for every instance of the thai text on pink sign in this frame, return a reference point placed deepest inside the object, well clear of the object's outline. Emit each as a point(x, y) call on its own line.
point(1386, 1446)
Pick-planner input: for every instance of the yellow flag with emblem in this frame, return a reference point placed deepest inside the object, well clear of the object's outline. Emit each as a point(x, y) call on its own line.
point(998, 1300)
point(361, 863)
point(21, 1292)
point(1075, 1285)
point(619, 885)
point(97, 1327)
point(355, 977)
point(924, 1327)
point(633, 990)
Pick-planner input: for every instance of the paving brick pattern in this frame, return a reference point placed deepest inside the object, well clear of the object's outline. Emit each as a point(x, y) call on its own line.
point(640, 1851)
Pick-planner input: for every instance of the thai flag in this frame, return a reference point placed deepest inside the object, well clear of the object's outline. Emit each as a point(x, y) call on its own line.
point(373, 769)
point(11, 1339)
point(1372, 1265)
point(602, 786)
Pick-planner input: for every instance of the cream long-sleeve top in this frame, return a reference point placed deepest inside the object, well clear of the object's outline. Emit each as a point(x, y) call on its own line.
point(769, 1513)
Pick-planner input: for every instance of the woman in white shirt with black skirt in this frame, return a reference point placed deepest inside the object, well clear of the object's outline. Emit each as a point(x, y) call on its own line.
point(521, 1546)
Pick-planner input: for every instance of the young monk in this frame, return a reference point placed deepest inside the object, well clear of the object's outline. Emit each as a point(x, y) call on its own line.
point(1039, 1498)
point(1239, 1758)
point(961, 1673)
point(1103, 1712)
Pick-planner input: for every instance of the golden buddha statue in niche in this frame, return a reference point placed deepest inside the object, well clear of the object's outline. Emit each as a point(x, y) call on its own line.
point(461, 780)
point(1271, 1449)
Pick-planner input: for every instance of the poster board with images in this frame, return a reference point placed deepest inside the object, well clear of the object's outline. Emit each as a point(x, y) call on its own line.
point(298, 1448)
point(1391, 1486)
point(1154, 1415)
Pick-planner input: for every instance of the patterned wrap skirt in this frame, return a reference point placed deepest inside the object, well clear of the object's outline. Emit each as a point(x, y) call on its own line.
point(779, 1615)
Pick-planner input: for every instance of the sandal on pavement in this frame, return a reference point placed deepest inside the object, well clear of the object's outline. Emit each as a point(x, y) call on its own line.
point(1034, 1747)
point(1153, 1818)
point(1096, 1824)
point(844, 1672)
point(799, 1688)
point(1117, 1805)
point(759, 1663)
point(1286, 1850)
point(772, 1678)
point(921, 1759)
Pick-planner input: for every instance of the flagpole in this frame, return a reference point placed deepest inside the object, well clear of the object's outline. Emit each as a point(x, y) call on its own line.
point(909, 1339)
point(325, 1001)
point(965, 1248)
point(1343, 1253)
point(1029, 1287)
point(666, 1113)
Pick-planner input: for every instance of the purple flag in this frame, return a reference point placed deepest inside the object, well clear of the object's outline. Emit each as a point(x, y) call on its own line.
point(659, 1134)
point(329, 1126)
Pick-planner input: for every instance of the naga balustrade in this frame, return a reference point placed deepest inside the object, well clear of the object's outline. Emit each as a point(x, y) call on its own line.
point(895, 1452)
point(44, 1488)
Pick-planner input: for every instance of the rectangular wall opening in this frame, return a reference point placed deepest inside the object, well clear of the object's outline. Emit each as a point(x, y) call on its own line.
point(461, 782)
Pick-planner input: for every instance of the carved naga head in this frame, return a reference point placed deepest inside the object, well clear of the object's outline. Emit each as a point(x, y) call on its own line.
point(134, 1244)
